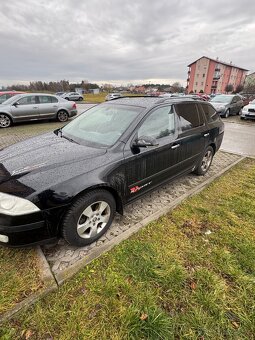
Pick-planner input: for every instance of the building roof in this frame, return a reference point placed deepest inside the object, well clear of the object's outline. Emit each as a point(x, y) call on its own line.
point(218, 61)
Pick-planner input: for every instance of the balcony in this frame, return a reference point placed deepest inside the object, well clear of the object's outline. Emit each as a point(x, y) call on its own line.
point(214, 87)
point(217, 69)
point(216, 77)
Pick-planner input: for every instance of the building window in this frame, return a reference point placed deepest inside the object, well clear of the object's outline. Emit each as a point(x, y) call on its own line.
point(202, 83)
point(203, 75)
point(196, 83)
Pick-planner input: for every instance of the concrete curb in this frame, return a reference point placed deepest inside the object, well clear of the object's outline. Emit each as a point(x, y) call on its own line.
point(72, 270)
point(49, 285)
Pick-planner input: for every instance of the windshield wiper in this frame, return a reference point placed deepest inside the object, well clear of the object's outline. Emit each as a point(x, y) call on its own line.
point(68, 138)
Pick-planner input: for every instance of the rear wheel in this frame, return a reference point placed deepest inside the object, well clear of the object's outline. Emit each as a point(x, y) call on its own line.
point(80, 99)
point(62, 116)
point(89, 217)
point(205, 162)
point(5, 121)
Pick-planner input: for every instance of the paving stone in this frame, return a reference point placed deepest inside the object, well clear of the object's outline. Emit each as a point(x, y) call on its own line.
point(62, 256)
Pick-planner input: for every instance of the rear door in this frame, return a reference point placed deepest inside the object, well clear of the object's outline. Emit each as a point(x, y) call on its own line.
point(192, 135)
point(26, 108)
point(48, 106)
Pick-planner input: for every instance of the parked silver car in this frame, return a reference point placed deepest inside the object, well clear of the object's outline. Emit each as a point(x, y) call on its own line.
point(35, 106)
point(111, 96)
point(227, 104)
point(72, 96)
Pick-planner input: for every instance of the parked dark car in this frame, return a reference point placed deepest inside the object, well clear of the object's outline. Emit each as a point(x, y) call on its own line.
point(35, 106)
point(227, 104)
point(71, 181)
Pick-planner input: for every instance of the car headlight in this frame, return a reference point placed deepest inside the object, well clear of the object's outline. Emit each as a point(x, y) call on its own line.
point(221, 107)
point(15, 206)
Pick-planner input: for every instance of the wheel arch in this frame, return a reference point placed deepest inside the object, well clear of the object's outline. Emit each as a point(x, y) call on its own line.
point(115, 194)
point(213, 145)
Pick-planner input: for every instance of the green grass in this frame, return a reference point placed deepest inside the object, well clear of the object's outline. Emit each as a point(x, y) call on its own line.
point(19, 276)
point(188, 275)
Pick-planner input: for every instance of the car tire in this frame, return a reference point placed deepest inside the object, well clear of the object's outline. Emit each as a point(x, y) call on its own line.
point(80, 99)
point(226, 114)
point(62, 116)
point(205, 162)
point(5, 121)
point(88, 218)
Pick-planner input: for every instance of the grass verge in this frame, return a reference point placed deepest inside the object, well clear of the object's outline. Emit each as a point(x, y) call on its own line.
point(188, 275)
point(19, 276)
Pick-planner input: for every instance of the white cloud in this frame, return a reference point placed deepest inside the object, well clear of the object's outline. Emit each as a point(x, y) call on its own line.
point(113, 40)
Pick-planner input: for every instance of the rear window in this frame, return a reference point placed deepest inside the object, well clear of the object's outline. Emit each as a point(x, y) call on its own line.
point(210, 113)
point(188, 116)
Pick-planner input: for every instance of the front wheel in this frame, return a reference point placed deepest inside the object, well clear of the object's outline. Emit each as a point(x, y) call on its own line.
point(226, 114)
point(5, 121)
point(88, 218)
point(205, 162)
point(80, 99)
point(62, 116)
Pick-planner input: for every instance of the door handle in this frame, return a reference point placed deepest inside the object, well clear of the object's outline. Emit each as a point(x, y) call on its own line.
point(175, 146)
point(206, 134)
point(35, 107)
point(55, 106)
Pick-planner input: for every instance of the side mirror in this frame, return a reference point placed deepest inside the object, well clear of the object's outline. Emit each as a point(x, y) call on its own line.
point(15, 104)
point(145, 141)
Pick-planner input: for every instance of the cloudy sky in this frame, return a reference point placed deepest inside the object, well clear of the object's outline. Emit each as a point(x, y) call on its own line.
point(118, 41)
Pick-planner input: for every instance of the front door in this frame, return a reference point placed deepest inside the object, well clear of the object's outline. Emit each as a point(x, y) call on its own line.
point(150, 166)
point(26, 108)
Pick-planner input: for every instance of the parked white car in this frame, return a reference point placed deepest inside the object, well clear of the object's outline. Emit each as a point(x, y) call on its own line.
point(248, 111)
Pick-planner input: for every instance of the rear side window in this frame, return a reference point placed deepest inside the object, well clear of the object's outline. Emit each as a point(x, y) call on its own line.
point(210, 113)
point(188, 116)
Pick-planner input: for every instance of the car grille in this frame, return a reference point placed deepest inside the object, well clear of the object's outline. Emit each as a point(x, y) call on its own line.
point(251, 110)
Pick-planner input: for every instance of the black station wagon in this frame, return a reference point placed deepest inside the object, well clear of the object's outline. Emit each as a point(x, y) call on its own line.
point(70, 182)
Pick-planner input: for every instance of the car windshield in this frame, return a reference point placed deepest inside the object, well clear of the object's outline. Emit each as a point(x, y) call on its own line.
point(102, 125)
point(253, 101)
point(222, 99)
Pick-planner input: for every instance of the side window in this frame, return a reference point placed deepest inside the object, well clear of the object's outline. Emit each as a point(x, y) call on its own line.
point(45, 99)
point(188, 116)
point(159, 124)
point(210, 113)
point(54, 100)
point(27, 100)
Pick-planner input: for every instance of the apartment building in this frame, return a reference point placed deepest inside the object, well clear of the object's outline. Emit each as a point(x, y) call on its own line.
point(212, 75)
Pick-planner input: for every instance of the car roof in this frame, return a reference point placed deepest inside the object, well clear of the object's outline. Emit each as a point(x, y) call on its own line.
point(148, 102)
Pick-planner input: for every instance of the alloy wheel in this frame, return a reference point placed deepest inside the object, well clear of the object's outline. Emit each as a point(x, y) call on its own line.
point(93, 219)
point(207, 160)
point(5, 121)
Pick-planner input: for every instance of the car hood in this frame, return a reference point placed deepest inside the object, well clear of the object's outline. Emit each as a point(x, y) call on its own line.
point(249, 106)
point(42, 154)
point(216, 105)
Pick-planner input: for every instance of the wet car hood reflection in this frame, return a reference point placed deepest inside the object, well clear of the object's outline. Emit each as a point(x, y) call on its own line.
point(43, 154)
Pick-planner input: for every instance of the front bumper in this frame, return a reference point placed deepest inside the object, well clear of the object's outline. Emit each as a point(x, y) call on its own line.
point(26, 230)
point(247, 115)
